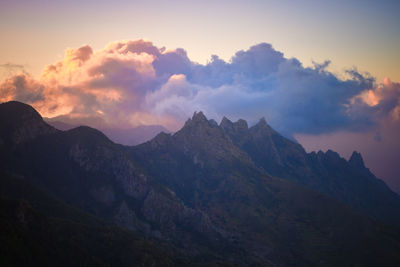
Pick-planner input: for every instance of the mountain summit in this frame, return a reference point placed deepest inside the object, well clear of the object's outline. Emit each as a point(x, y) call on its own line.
point(356, 161)
point(199, 116)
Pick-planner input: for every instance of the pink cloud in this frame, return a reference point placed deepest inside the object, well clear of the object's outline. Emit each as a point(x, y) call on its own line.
point(135, 82)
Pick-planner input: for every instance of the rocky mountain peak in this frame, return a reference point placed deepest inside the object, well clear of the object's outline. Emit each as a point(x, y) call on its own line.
point(199, 123)
point(226, 123)
point(199, 116)
point(262, 122)
point(356, 161)
point(237, 131)
point(262, 125)
point(198, 119)
point(262, 128)
point(331, 157)
point(197, 126)
point(241, 124)
point(205, 141)
point(332, 154)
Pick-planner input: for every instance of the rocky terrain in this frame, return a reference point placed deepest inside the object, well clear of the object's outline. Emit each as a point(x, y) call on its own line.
point(209, 194)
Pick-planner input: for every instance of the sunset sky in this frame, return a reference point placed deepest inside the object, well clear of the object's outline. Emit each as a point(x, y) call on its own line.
point(326, 73)
point(364, 34)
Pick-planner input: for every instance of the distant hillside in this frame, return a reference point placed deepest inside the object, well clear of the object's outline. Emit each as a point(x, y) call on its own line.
point(128, 136)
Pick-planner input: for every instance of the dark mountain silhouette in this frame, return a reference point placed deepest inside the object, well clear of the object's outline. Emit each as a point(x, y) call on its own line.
point(347, 181)
point(60, 125)
point(21, 123)
point(86, 170)
point(271, 218)
point(124, 136)
point(133, 136)
point(203, 195)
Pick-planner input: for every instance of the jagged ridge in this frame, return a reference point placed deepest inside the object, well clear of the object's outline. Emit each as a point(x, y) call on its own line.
point(202, 191)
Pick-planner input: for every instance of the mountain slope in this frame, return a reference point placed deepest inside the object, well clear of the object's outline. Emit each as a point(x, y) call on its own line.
point(86, 170)
point(347, 181)
point(125, 136)
point(20, 123)
point(196, 193)
point(37, 229)
point(273, 220)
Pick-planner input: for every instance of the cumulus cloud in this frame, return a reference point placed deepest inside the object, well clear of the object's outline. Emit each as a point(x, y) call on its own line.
point(23, 88)
point(381, 101)
point(130, 83)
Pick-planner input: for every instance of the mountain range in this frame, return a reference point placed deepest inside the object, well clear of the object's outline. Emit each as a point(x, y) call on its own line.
point(209, 194)
point(125, 136)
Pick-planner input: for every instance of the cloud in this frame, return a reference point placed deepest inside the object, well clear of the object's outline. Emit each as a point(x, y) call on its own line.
point(133, 83)
point(23, 88)
point(9, 65)
point(380, 102)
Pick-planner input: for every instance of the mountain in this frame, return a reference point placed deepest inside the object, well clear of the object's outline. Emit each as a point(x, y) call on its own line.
point(198, 197)
point(21, 123)
point(133, 136)
point(347, 181)
point(86, 170)
point(39, 230)
point(125, 136)
point(60, 125)
point(273, 220)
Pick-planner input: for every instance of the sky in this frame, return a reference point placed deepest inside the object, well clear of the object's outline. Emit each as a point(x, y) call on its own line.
point(350, 33)
point(325, 73)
